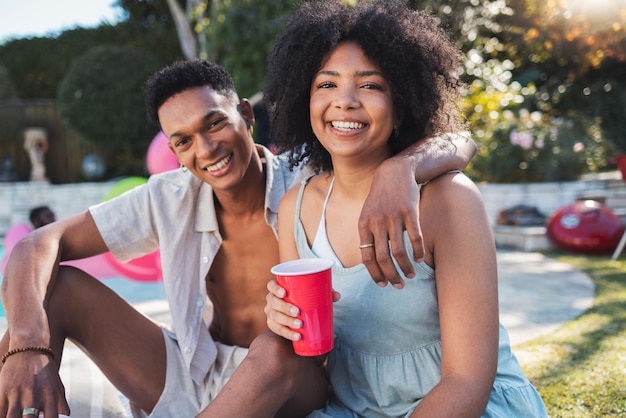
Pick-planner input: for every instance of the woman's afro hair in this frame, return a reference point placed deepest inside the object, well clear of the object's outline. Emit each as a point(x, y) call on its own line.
point(417, 58)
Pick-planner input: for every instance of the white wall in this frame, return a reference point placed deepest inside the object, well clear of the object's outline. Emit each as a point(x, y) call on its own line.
point(16, 199)
point(546, 197)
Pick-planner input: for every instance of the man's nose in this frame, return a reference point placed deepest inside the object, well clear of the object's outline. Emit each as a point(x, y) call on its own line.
point(205, 146)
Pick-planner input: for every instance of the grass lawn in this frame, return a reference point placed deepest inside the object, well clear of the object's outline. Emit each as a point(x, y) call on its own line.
point(580, 369)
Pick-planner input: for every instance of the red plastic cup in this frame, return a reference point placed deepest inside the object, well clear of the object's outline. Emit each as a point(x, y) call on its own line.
point(308, 285)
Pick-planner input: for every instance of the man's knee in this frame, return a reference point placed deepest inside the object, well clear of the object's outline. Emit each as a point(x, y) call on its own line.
point(269, 344)
point(74, 292)
point(68, 282)
point(275, 352)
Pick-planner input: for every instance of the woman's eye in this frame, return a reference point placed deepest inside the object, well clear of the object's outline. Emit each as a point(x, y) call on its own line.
point(325, 85)
point(371, 86)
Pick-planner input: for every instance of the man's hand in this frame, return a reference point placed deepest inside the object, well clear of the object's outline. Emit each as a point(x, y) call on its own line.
point(31, 380)
point(392, 205)
point(390, 209)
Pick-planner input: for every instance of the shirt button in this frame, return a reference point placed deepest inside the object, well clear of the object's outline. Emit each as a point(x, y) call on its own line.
point(205, 260)
point(187, 349)
point(199, 303)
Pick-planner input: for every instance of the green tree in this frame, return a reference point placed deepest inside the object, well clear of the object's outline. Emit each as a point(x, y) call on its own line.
point(7, 91)
point(551, 59)
point(148, 25)
point(239, 35)
point(575, 55)
point(101, 97)
point(37, 65)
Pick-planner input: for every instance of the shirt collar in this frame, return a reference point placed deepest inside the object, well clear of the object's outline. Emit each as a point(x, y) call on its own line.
point(206, 218)
point(275, 189)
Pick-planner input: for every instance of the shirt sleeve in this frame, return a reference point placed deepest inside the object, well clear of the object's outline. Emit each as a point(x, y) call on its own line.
point(126, 224)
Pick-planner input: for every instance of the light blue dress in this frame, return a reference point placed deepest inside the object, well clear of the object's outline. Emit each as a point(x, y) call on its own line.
point(387, 353)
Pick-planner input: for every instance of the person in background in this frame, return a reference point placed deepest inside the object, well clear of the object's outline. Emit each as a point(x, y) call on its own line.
point(214, 222)
point(40, 216)
point(371, 77)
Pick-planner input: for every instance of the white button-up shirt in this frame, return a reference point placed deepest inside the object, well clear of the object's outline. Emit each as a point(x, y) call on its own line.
point(175, 213)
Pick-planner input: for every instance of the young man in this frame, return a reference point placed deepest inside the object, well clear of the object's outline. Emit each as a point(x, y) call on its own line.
point(215, 224)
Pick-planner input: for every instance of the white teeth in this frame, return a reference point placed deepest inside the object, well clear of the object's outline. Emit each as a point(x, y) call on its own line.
point(347, 125)
point(220, 164)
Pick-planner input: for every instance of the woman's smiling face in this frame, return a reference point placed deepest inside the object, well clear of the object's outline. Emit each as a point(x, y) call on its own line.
point(351, 106)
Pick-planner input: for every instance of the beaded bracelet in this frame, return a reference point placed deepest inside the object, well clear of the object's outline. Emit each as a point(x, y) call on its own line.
point(40, 348)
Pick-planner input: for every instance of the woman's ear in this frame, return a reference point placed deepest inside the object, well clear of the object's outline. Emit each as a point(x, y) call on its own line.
point(397, 122)
point(398, 117)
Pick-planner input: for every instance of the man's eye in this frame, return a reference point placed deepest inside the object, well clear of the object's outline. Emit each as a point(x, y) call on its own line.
point(182, 142)
point(216, 123)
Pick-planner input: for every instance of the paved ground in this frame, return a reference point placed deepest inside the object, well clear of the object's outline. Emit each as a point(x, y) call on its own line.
point(537, 294)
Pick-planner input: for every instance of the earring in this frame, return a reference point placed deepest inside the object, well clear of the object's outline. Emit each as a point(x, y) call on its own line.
point(183, 168)
point(396, 131)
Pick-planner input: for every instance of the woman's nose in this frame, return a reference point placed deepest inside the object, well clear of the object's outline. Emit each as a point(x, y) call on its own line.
point(346, 98)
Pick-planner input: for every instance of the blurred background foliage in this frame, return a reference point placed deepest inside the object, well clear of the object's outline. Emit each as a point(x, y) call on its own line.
point(546, 98)
point(93, 86)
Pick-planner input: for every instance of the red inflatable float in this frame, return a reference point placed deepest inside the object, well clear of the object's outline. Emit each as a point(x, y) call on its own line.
point(146, 268)
point(143, 269)
point(586, 226)
point(14, 234)
point(97, 266)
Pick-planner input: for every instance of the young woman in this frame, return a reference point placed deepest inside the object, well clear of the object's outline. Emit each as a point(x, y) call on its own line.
point(370, 77)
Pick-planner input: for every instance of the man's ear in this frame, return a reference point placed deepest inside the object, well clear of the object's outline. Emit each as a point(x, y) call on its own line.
point(245, 108)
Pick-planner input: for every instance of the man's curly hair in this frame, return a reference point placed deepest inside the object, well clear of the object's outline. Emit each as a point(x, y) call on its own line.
point(183, 75)
point(417, 58)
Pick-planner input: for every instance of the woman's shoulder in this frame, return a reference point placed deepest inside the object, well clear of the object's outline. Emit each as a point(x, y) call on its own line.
point(453, 186)
point(308, 195)
point(313, 186)
point(450, 196)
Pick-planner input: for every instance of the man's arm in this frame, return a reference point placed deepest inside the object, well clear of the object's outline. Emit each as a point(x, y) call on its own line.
point(28, 280)
point(392, 204)
point(31, 267)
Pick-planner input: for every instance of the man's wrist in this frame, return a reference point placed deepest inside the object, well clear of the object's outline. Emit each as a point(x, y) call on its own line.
point(24, 336)
point(404, 165)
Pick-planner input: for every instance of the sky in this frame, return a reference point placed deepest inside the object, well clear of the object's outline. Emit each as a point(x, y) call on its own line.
point(23, 18)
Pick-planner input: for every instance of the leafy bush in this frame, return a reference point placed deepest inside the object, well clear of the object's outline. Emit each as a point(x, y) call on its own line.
point(240, 35)
point(516, 145)
point(101, 97)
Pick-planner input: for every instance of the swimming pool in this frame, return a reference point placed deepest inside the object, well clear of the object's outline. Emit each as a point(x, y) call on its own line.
point(132, 291)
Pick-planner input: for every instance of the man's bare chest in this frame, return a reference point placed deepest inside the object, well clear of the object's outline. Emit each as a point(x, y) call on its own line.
point(241, 268)
point(237, 282)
